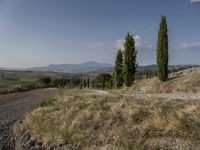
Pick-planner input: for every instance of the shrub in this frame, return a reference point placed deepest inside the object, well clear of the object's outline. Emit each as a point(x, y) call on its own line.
point(44, 81)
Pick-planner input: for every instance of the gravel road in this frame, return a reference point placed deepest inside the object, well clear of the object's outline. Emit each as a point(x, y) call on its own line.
point(12, 109)
point(180, 96)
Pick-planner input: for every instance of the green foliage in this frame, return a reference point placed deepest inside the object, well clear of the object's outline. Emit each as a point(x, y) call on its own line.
point(28, 86)
point(118, 70)
point(59, 83)
point(47, 102)
point(84, 83)
point(88, 82)
point(74, 82)
point(45, 81)
point(129, 66)
point(145, 74)
point(103, 80)
point(162, 51)
point(66, 82)
point(2, 76)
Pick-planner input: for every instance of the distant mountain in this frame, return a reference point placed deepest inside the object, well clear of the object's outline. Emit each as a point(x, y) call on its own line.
point(89, 66)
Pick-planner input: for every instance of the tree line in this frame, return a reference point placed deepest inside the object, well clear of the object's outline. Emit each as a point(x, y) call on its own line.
point(101, 81)
point(126, 65)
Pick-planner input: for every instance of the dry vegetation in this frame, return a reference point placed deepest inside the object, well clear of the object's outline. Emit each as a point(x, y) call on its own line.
point(117, 122)
point(184, 81)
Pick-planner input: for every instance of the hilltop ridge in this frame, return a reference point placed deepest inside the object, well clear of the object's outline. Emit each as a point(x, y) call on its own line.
point(187, 81)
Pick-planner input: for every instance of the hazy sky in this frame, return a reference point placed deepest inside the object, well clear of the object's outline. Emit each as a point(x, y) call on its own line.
point(42, 32)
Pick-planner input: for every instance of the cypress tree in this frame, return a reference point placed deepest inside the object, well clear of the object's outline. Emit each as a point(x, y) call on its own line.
point(118, 70)
point(162, 51)
point(129, 66)
point(84, 83)
point(88, 83)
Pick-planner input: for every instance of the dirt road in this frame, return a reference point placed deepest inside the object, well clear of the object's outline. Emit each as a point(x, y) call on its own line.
point(12, 109)
point(180, 96)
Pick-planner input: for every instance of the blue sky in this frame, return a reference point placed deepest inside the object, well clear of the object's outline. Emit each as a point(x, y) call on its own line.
point(42, 32)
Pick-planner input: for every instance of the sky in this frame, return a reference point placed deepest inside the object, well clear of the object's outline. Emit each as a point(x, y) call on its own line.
point(42, 32)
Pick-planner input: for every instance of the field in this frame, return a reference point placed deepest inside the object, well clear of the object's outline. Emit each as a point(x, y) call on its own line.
point(13, 79)
point(89, 121)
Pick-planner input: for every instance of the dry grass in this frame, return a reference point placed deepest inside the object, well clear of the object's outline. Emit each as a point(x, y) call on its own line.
point(189, 83)
point(117, 122)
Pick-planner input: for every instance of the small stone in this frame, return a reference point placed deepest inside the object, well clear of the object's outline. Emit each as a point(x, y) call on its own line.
point(39, 143)
point(36, 148)
point(43, 148)
point(31, 142)
point(60, 144)
point(65, 141)
point(26, 137)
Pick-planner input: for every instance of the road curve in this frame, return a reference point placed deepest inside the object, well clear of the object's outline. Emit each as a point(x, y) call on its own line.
point(179, 96)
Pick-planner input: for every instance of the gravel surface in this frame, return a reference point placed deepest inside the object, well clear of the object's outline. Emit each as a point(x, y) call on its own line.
point(180, 96)
point(12, 109)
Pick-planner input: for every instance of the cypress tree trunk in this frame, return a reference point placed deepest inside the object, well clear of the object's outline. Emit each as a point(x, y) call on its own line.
point(162, 51)
point(118, 70)
point(129, 66)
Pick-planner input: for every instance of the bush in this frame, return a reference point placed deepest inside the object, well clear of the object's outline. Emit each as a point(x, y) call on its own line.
point(44, 81)
point(66, 83)
point(145, 74)
point(47, 102)
point(103, 80)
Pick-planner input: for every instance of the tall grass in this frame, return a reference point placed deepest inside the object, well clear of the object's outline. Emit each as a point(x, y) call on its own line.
point(189, 83)
point(116, 122)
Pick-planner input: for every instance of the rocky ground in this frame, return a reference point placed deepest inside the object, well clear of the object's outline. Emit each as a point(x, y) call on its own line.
point(12, 109)
point(24, 141)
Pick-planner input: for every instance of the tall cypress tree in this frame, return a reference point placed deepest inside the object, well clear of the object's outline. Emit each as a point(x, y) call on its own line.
point(84, 83)
point(162, 51)
point(129, 66)
point(118, 70)
point(88, 82)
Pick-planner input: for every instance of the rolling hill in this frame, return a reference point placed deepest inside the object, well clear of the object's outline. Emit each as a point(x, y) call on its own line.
point(85, 67)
